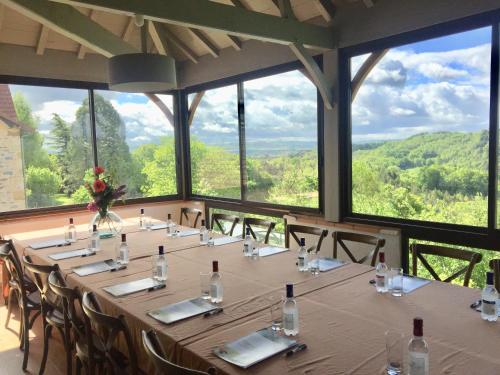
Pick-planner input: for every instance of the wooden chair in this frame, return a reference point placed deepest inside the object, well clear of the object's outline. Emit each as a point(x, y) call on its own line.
point(495, 267)
point(28, 302)
point(340, 237)
point(186, 211)
point(52, 310)
point(156, 353)
point(102, 332)
point(419, 250)
point(219, 218)
point(248, 222)
point(293, 229)
point(74, 327)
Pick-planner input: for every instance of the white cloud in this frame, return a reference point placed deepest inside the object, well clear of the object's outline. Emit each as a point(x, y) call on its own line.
point(438, 71)
point(64, 108)
point(216, 128)
point(398, 111)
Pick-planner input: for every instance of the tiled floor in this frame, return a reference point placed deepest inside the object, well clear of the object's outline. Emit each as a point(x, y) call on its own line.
point(11, 357)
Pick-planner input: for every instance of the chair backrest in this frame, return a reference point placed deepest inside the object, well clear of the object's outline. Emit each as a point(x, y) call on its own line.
point(107, 329)
point(156, 353)
point(419, 250)
point(293, 229)
point(495, 267)
point(217, 219)
point(13, 266)
point(186, 211)
point(340, 237)
point(70, 298)
point(41, 274)
point(250, 222)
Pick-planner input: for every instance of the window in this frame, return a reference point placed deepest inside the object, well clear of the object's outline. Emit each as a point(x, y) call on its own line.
point(257, 141)
point(214, 142)
point(281, 132)
point(45, 146)
point(135, 141)
point(420, 131)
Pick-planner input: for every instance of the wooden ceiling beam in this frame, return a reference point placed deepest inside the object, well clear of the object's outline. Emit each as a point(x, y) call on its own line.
point(72, 24)
point(180, 45)
point(162, 106)
point(326, 8)
point(129, 28)
point(194, 105)
point(203, 14)
point(82, 50)
point(236, 42)
point(2, 12)
point(159, 38)
point(42, 40)
point(364, 70)
point(207, 43)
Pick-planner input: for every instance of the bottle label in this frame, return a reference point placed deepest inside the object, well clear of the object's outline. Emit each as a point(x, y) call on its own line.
point(418, 364)
point(214, 291)
point(201, 236)
point(380, 280)
point(302, 262)
point(288, 321)
point(94, 244)
point(489, 307)
point(246, 248)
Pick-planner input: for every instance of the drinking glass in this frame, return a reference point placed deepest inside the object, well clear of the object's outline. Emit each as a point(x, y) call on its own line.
point(314, 263)
point(394, 344)
point(205, 285)
point(148, 222)
point(397, 282)
point(276, 311)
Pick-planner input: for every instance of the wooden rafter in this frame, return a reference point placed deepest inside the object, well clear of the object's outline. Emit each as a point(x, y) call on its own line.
point(42, 40)
point(364, 70)
point(326, 8)
point(207, 43)
point(127, 32)
point(202, 14)
point(235, 42)
point(162, 106)
point(2, 12)
point(180, 45)
point(82, 50)
point(159, 38)
point(286, 10)
point(72, 24)
point(194, 105)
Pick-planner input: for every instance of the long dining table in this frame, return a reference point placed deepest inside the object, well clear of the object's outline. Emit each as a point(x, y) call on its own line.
point(342, 318)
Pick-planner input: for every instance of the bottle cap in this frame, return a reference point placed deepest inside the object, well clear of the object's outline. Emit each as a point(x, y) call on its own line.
point(418, 327)
point(94, 228)
point(202, 222)
point(71, 220)
point(142, 211)
point(302, 241)
point(289, 290)
point(169, 216)
point(489, 277)
point(381, 257)
point(160, 250)
point(215, 266)
point(124, 237)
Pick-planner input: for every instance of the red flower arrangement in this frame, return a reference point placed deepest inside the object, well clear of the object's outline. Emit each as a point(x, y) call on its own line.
point(102, 192)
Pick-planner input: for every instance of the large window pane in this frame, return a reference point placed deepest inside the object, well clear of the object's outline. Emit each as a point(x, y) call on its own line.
point(420, 131)
point(281, 126)
point(135, 141)
point(215, 161)
point(45, 146)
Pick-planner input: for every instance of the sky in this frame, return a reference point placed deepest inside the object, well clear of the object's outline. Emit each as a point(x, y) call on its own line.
point(436, 85)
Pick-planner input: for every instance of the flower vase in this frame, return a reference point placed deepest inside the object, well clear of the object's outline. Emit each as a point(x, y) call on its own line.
point(108, 223)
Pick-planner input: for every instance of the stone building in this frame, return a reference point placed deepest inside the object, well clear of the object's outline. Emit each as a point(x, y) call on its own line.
point(12, 196)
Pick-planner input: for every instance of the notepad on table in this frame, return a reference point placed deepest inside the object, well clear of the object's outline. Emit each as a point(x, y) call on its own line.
point(71, 254)
point(226, 240)
point(327, 264)
point(184, 233)
point(49, 243)
point(97, 267)
point(254, 348)
point(123, 289)
point(271, 250)
point(182, 310)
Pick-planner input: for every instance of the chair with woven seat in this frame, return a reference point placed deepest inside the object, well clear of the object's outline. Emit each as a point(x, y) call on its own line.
point(28, 302)
point(74, 326)
point(186, 211)
point(251, 222)
point(495, 267)
point(156, 353)
point(102, 332)
point(366, 239)
point(419, 250)
point(219, 219)
point(292, 230)
point(51, 307)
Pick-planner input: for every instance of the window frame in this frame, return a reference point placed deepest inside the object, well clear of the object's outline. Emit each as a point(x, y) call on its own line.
point(239, 80)
point(91, 87)
point(487, 237)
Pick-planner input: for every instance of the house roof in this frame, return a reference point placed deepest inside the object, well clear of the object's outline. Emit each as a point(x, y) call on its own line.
point(8, 113)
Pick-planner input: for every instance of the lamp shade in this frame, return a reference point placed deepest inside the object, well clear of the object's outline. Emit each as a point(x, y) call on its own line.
point(142, 72)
